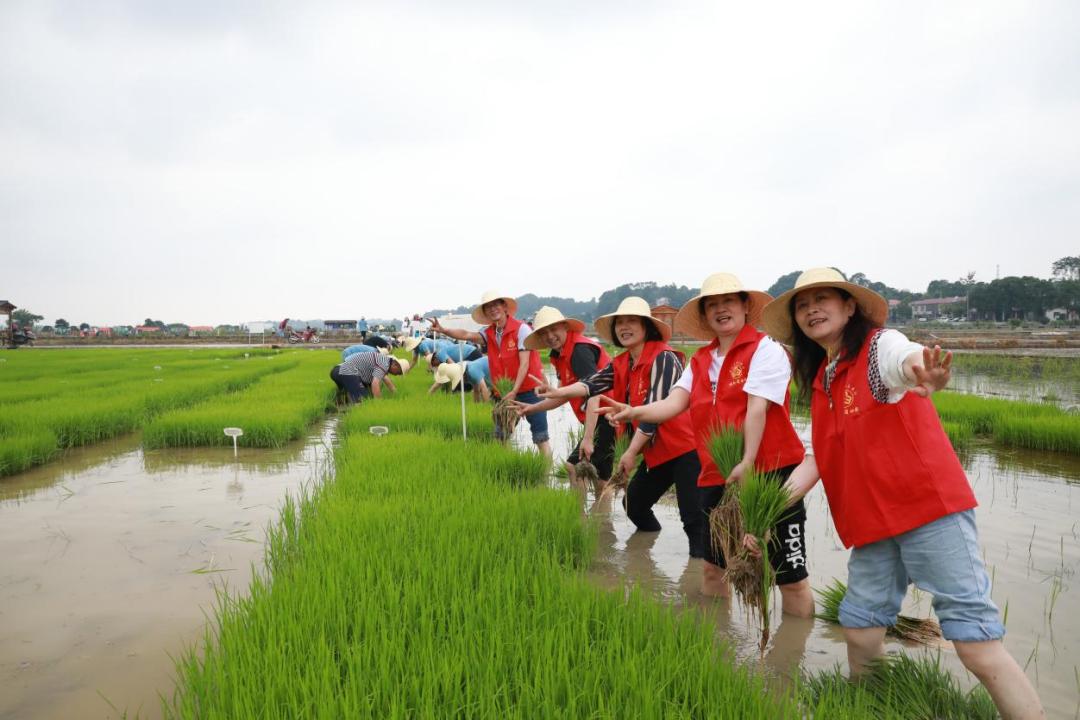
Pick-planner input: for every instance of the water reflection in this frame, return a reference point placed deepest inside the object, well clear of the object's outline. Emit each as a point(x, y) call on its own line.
point(113, 556)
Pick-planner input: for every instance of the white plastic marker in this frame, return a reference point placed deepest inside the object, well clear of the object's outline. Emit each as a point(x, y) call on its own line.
point(378, 430)
point(234, 433)
point(461, 359)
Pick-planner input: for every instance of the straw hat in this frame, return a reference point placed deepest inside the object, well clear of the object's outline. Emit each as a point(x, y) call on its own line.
point(383, 351)
point(492, 296)
point(449, 373)
point(632, 305)
point(402, 362)
point(546, 317)
point(777, 318)
point(688, 321)
point(411, 343)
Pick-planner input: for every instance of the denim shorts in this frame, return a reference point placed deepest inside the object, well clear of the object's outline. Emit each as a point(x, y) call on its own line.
point(537, 421)
point(941, 557)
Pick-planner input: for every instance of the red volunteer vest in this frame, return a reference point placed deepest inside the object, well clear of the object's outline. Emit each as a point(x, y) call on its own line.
point(674, 437)
point(566, 372)
point(886, 468)
point(503, 359)
point(780, 444)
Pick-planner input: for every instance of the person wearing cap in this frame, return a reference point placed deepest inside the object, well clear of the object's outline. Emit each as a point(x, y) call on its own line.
point(897, 493)
point(574, 356)
point(504, 337)
point(474, 373)
point(646, 372)
point(740, 379)
point(363, 373)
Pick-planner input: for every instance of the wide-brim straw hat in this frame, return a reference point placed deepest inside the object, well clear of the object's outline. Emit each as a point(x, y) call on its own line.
point(402, 362)
point(777, 319)
point(411, 343)
point(546, 317)
point(635, 306)
point(689, 321)
point(449, 373)
point(492, 296)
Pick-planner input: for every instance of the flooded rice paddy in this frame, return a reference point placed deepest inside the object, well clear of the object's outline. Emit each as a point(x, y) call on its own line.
point(112, 556)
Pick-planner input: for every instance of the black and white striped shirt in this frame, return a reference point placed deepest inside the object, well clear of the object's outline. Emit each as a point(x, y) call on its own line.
point(666, 369)
point(367, 366)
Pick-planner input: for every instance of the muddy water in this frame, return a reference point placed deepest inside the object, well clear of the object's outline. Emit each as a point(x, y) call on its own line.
point(111, 558)
point(1029, 523)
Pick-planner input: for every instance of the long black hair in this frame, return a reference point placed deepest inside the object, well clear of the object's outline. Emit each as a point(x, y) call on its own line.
point(808, 355)
point(651, 331)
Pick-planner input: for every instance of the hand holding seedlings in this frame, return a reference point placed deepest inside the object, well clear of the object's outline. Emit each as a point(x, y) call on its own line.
point(585, 450)
point(933, 374)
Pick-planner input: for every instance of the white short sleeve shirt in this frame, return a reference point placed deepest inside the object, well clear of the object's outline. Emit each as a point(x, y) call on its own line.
point(769, 377)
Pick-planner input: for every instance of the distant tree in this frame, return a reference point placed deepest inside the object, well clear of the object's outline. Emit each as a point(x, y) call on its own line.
point(61, 324)
point(784, 283)
point(25, 318)
point(609, 300)
point(1067, 268)
point(84, 326)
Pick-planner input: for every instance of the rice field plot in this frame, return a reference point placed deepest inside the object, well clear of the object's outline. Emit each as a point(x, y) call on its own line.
point(90, 414)
point(271, 412)
point(430, 579)
point(1038, 426)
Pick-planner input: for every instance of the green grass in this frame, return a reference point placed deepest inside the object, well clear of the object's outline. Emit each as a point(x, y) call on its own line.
point(1019, 368)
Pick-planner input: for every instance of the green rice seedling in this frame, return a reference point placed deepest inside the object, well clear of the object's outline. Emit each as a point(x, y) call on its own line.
point(437, 414)
point(273, 411)
point(960, 435)
point(726, 448)
point(896, 687)
point(925, 631)
point(423, 580)
point(19, 452)
point(1057, 434)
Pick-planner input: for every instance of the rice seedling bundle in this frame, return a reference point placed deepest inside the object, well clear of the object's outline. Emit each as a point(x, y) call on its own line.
point(418, 582)
point(919, 630)
point(753, 506)
point(619, 480)
point(505, 414)
point(726, 448)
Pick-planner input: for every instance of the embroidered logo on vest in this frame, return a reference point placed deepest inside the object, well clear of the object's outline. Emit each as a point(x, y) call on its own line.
point(738, 373)
point(850, 408)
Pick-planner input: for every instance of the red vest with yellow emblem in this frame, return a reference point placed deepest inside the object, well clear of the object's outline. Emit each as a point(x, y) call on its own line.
point(566, 372)
point(887, 467)
point(503, 359)
point(726, 405)
point(674, 437)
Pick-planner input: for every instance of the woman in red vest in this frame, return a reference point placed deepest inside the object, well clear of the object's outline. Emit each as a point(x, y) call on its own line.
point(508, 357)
point(645, 373)
point(574, 356)
point(897, 492)
point(739, 379)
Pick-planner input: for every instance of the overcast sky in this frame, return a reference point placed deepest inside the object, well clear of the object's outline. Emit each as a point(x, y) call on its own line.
point(212, 162)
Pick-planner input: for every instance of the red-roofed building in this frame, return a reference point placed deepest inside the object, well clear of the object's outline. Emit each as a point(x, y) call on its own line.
point(938, 307)
point(146, 329)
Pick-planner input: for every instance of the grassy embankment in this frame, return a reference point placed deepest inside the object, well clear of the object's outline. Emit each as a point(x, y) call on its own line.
point(54, 400)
